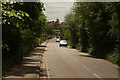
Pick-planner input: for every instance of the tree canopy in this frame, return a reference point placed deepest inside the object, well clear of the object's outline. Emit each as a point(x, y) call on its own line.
point(95, 28)
point(23, 23)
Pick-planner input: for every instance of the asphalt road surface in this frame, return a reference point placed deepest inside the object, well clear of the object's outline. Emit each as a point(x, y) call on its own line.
point(64, 62)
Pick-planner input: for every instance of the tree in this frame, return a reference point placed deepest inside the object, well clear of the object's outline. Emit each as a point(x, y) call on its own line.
point(96, 29)
point(23, 23)
point(71, 22)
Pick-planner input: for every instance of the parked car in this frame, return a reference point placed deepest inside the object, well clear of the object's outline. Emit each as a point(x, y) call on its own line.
point(57, 37)
point(63, 43)
point(49, 37)
point(58, 40)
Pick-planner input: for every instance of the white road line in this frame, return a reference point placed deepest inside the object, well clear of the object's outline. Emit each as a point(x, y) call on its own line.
point(46, 65)
point(74, 58)
point(97, 76)
point(86, 67)
point(70, 56)
point(80, 63)
point(77, 60)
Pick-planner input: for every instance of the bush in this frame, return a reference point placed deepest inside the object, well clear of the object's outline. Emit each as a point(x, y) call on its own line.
point(78, 46)
point(113, 57)
point(90, 50)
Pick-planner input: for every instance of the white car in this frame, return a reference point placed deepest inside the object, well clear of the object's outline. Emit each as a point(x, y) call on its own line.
point(63, 43)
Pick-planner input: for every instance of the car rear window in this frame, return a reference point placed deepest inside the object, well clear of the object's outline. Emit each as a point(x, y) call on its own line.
point(63, 41)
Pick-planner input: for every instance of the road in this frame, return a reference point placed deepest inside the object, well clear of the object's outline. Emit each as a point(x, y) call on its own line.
point(64, 62)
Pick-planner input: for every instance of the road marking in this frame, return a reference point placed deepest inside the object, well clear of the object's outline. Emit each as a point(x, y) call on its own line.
point(97, 76)
point(80, 63)
point(46, 65)
point(76, 60)
point(70, 55)
point(86, 67)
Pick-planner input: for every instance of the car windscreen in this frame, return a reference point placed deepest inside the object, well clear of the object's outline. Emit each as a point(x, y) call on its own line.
point(64, 41)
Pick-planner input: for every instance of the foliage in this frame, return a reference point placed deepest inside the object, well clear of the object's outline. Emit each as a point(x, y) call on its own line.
point(23, 23)
point(49, 29)
point(113, 57)
point(71, 25)
point(95, 27)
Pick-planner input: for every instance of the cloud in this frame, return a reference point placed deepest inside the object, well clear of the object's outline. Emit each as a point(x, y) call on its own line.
point(56, 10)
point(80, 0)
point(57, 0)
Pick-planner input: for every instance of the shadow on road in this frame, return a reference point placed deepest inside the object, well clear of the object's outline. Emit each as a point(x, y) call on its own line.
point(90, 56)
point(41, 46)
point(23, 70)
point(30, 65)
point(30, 60)
point(87, 56)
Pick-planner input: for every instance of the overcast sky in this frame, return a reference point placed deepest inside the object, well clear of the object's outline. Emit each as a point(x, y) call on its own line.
point(59, 8)
point(54, 10)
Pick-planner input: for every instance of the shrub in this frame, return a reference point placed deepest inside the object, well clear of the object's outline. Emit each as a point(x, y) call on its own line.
point(113, 57)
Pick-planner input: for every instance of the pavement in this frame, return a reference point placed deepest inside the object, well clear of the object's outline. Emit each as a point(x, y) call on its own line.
point(32, 66)
point(64, 62)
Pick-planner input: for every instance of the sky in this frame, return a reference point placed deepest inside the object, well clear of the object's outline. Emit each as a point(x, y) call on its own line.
point(57, 10)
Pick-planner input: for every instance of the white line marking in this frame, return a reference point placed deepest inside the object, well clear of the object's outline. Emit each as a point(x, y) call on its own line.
point(46, 64)
point(97, 76)
point(76, 60)
point(80, 63)
point(70, 55)
point(86, 67)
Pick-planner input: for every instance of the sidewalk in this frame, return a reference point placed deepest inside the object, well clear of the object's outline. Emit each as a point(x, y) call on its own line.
point(32, 65)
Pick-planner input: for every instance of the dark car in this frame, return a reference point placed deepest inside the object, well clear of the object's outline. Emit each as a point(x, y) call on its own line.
point(49, 37)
